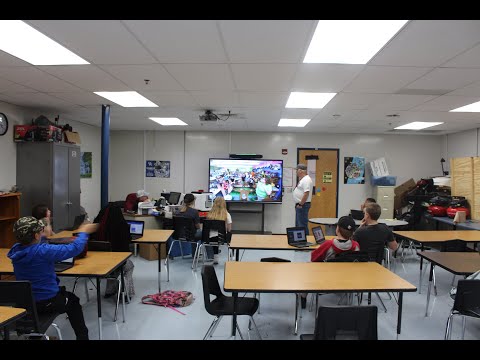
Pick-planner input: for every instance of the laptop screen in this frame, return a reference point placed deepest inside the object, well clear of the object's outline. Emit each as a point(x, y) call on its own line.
point(136, 227)
point(357, 214)
point(296, 235)
point(66, 261)
point(318, 234)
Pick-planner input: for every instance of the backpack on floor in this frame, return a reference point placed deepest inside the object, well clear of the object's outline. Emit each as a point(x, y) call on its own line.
point(170, 299)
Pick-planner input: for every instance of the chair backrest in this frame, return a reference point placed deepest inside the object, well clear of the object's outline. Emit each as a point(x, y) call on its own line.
point(113, 228)
point(359, 322)
point(94, 245)
point(453, 246)
point(183, 228)
point(274, 259)
point(467, 299)
point(351, 256)
point(219, 226)
point(374, 247)
point(19, 294)
point(210, 287)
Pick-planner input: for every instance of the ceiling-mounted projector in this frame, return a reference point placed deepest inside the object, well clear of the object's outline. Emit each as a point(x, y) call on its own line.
point(208, 116)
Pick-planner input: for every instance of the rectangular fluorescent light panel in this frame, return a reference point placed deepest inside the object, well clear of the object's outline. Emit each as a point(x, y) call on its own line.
point(417, 125)
point(126, 98)
point(293, 122)
point(475, 107)
point(308, 100)
point(168, 121)
point(23, 41)
point(350, 41)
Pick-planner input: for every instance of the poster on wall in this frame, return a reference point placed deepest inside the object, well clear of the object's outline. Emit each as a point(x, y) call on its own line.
point(159, 169)
point(354, 170)
point(86, 165)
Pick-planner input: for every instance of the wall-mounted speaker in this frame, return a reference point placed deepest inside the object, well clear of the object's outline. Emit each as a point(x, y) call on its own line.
point(245, 156)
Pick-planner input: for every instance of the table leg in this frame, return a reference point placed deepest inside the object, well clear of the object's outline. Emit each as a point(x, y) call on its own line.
point(160, 267)
point(99, 310)
point(297, 301)
point(421, 267)
point(429, 287)
point(234, 316)
point(237, 255)
point(399, 318)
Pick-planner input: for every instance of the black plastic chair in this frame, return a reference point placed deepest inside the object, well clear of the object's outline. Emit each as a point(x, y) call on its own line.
point(223, 305)
point(183, 231)
point(467, 303)
point(19, 294)
point(221, 239)
point(342, 323)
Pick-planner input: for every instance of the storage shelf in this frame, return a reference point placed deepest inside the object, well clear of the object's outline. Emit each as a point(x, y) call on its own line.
point(5, 218)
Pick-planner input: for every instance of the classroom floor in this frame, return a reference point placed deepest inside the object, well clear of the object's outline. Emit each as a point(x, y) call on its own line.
point(276, 317)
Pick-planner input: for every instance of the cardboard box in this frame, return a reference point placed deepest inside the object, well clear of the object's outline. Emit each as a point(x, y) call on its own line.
point(72, 137)
point(49, 133)
point(400, 192)
point(149, 251)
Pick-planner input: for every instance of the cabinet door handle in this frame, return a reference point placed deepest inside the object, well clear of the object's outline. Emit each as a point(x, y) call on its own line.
point(69, 203)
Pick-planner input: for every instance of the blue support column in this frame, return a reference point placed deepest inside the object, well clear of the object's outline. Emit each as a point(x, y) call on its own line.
point(105, 155)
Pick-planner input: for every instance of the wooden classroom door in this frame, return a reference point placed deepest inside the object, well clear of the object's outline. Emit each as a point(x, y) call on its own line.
point(323, 169)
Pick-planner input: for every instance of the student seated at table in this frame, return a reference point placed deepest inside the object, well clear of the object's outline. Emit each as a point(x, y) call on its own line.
point(341, 243)
point(42, 212)
point(132, 200)
point(33, 259)
point(366, 202)
point(371, 229)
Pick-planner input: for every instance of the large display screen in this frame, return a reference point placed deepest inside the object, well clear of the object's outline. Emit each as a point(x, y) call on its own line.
point(246, 180)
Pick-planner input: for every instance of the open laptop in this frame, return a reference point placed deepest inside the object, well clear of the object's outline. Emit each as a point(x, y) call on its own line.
point(136, 228)
point(77, 222)
point(64, 264)
point(357, 214)
point(318, 235)
point(297, 236)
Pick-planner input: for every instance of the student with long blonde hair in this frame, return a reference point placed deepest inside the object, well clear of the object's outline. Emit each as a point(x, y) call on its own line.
point(219, 212)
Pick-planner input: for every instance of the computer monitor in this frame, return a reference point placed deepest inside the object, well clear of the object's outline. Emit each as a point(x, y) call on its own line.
point(165, 195)
point(174, 198)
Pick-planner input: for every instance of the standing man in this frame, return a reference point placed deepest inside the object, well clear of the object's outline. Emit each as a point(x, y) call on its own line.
point(302, 195)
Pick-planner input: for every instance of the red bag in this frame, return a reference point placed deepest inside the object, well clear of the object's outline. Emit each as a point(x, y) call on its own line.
point(170, 299)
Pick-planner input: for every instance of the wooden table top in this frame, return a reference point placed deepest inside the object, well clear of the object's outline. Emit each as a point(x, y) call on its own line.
point(441, 235)
point(151, 236)
point(8, 314)
point(312, 277)
point(268, 242)
point(95, 264)
point(458, 263)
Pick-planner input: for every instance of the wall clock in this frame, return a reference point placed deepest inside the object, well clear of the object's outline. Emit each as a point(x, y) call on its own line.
point(3, 124)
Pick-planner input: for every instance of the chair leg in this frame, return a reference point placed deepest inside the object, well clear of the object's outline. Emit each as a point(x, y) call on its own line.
point(256, 328)
point(453, 280)
point(239, 332)
point(448, 329)
point(381, 301)
point(86, 290)
point(212, 327)
point(118, 300)
point(434, 282)
point(57, 329)
point(464, 324)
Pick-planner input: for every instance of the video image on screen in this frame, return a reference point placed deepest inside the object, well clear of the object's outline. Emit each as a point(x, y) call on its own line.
point(246, 180)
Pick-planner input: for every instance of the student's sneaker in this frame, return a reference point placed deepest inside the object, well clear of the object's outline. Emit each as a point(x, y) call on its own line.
point(215, 259)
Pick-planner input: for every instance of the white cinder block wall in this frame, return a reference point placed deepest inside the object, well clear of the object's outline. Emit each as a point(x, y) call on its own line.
point(406, 156)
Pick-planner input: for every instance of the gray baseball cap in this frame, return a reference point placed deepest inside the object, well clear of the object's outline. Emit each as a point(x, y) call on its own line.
point(301, 167)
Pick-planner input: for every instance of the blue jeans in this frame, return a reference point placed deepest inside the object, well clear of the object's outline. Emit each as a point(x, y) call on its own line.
point(301, 216)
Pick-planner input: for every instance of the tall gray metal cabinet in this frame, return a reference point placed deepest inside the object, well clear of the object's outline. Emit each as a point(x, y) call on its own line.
point(49, 173)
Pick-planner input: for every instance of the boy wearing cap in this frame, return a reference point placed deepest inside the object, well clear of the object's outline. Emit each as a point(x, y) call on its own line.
point(132, 200)
point(302, 195)
point(343, 242)
point(34, 260)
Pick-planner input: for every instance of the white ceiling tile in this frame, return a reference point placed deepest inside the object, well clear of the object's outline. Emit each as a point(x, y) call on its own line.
point(397, 102)
point(7, 86)
point(262, 99)
point(354, 101)
point(38, 100)
point(276, 77)
point(266, 41)
point(180, 41)
point(468, 59)
point(469, 90)
point(9, 60)
point(135, 75)
point(171, 98)
point(87, 77)
point(36, 79)
point(210, 99)
point(325, 77)
point(202, 76)
point(82, 98)
point(445, 103)
point(97, 41)
point(384, 79)
point(429, 43)
point(446, 78)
